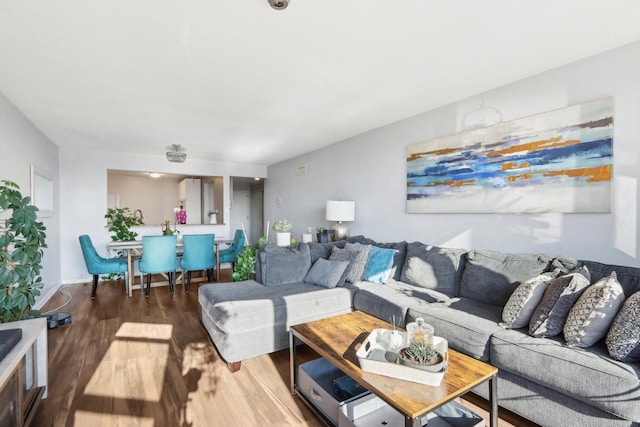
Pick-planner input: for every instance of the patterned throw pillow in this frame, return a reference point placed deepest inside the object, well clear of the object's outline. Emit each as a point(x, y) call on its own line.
point(338, 254)
point(549, 316)
point(623, 339)
point(591, 316)
point(525, 299)
point(360, 263)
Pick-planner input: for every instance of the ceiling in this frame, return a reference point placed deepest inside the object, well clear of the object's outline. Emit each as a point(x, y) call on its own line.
point(241, 82)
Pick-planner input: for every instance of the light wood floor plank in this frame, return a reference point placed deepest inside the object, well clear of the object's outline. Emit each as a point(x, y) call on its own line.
point(150, 363)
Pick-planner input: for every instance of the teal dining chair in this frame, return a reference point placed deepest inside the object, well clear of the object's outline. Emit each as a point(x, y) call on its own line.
point(97, 265)
point(159, 256)
point(231, 253)
point(198, 254)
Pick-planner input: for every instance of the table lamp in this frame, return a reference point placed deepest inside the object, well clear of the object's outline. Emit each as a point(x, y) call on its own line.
point(340, 211)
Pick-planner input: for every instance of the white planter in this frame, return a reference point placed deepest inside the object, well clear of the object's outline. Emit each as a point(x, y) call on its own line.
point(283, 239)
point(307, 237)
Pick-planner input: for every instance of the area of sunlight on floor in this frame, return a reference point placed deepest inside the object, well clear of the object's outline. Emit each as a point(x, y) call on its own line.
point(134, 366)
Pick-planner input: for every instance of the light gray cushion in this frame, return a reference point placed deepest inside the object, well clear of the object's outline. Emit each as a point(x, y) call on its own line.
point(588, 375)
point(466, 324)
point(491, 277)
point(392, 299)
point(590, 317)
point(282, 265)
point(623, 339)
point(326, 273)
point(524, 300)
point(245, 306)
point(561, 293)
point(433, 267)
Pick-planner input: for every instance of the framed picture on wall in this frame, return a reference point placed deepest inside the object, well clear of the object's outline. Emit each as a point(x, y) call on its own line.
point(42, 191)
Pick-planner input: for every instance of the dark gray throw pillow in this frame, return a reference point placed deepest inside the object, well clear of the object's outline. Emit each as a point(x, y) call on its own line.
point(326, 273)
point(561, 294)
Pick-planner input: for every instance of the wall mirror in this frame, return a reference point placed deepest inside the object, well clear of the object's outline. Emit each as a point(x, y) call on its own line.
point(42, 191)
point(157, 197)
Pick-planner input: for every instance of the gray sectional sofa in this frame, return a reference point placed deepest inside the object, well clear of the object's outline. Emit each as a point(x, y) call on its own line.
point(462, 294)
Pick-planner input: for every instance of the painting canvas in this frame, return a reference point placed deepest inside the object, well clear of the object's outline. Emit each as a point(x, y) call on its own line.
point(558, 161)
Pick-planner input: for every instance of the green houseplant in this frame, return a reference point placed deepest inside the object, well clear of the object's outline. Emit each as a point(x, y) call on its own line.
point(282, 228)
point(22, 239)
point(422, 355)
point(245, 267)
point(120, 222)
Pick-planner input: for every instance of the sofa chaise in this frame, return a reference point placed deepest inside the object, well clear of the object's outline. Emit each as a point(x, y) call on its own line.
point(462, 293)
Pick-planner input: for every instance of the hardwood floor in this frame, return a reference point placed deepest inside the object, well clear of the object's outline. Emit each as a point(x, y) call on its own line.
point(149, 362)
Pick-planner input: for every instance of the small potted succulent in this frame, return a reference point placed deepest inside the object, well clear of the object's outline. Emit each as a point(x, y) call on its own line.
point(282, 228)
point(422, 355)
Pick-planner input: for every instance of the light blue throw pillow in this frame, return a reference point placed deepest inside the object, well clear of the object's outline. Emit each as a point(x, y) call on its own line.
point(380, 265)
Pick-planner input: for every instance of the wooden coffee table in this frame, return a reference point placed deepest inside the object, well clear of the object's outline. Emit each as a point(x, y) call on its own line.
point(338, 338)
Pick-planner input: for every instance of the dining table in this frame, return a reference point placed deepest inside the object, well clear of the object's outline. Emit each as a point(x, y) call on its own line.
point(134, 248)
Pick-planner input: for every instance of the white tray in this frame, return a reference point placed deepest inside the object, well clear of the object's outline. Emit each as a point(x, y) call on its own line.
point(374, 356)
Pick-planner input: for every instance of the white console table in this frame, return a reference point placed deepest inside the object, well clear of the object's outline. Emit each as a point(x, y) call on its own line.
point(23, 373)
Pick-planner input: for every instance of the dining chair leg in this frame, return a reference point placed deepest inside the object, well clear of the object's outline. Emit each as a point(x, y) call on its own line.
point(148, 288)
point(186, 289)
point(95, 286)
point(172, 281)
point(210, 275)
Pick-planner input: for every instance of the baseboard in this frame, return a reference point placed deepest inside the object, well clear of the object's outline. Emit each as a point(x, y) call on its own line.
point(46, 295)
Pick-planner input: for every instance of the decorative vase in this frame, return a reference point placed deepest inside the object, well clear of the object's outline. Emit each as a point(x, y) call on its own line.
point(283, 239)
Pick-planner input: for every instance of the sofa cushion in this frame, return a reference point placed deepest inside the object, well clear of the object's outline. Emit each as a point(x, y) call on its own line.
point(433, 267)
point(629, 277)
point(323, 250)
point(392, 299)
point(379, 265)
point(561, 294)
point(281, 265)
point(465, 323)
point(244, 306)
point(491, 277)
point(326, 273)
point(590, 317)
point(588, 375)
point(524, 300)
point(623, 339)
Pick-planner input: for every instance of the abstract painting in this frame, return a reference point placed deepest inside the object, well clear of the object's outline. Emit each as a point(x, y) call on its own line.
point(558, 161)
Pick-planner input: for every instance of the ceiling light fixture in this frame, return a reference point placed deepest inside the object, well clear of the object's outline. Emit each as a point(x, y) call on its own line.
point(176, 156)
point(279, 4)
point(155, 174)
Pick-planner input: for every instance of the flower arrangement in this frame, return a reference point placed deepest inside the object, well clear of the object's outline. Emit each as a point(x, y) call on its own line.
point(282, 226)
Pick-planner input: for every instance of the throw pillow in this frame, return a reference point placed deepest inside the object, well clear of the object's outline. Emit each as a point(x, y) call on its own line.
point(379, 265)
point(326, 273)
point(623, 339)
point(360, 263)
point(524, 300)
point(338, 254)
point(590, 317)
point(549, 316)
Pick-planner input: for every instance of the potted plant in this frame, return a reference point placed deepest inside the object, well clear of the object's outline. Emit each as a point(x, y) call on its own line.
point(245, 266)
point(120, 222)
point(422, 355)
point(22, 239)
point(282, 228)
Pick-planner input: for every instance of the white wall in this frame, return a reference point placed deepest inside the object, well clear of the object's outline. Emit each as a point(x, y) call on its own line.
point(371, 169)
point(83, 193)
point(23, 145)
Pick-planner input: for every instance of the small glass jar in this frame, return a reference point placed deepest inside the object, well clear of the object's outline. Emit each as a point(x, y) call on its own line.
point(419, 331)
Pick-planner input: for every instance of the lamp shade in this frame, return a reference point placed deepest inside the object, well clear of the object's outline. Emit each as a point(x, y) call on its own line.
point(341, 211)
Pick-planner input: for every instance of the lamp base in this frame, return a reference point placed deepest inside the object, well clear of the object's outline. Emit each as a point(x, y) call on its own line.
point(341, 231)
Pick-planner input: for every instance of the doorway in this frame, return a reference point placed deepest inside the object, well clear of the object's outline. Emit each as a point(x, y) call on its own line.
point(247, 207)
